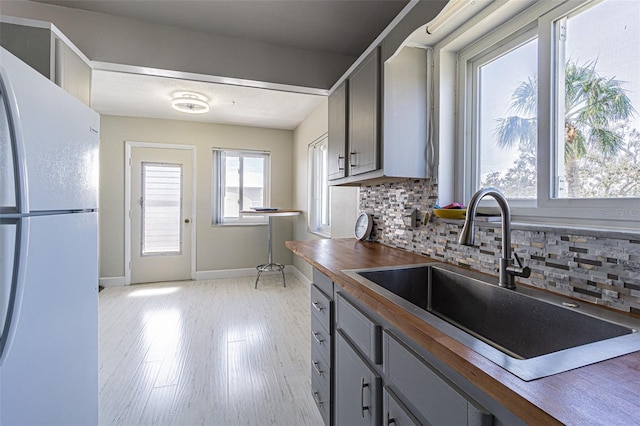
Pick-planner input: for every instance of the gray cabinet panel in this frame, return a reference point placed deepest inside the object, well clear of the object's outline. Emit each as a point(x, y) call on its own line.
point(425, 391)
point(321, 307)
point(320, 368)
point(338, 132)
point(321, 398)
point(358, 387)
point(365, 334)
point(395, 412)
point(32, 45)
point(320, 338)
point(364, 116)
point(323, 282)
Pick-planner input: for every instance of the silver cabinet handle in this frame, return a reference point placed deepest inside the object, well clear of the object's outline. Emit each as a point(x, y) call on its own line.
point(317, 306)
point(351, 162)
point(318, 339)
point(362, 386)
point(340, 157)
point(316, 397)
point(316, 367)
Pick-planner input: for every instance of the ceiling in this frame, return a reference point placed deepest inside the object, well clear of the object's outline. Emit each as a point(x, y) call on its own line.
point(136, 95)
point(338, 26)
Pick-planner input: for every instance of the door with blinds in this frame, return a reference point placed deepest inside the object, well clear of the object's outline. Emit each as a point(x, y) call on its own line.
point(161, 214)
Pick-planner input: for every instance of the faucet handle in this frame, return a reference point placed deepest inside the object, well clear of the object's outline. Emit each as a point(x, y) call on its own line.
point(517, 259)
point(520, 271)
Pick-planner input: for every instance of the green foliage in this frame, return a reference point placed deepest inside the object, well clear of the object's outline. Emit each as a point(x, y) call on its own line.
point(595, 109)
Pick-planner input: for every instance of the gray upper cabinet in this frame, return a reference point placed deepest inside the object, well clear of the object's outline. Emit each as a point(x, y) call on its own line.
point(45, 51)
point(387, 119)
point(364, 121)
point(337, 132)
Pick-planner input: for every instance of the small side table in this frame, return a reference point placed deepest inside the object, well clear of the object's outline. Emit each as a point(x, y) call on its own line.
point(270, 266)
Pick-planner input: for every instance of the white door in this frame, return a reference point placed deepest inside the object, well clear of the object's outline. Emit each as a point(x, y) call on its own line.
point(161, 214)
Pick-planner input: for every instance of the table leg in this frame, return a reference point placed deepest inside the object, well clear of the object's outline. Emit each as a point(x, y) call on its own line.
point(270, 266)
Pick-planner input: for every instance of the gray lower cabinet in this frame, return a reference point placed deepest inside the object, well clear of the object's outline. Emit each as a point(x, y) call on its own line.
point(322, 337)
point(369, 355)
point(395, 412)
point(429, 396)
point(358, 387)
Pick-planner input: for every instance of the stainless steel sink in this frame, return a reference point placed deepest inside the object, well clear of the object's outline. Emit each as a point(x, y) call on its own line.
point(526, 331)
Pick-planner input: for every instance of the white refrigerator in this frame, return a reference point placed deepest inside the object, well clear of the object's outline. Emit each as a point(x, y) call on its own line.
point(48, 251)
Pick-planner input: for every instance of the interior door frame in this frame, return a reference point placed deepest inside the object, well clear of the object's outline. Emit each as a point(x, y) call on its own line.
point(129, 145)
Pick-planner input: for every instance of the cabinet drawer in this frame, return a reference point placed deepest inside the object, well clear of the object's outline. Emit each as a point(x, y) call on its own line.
point(321, 398)
point(362, 331)
point(395, 412)
point(427, 394)
point(323, 282)
point(320, 339)
point(320, 368)
point(321, 307)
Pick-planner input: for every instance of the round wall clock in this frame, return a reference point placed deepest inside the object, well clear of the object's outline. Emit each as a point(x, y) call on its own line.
point(364, 225)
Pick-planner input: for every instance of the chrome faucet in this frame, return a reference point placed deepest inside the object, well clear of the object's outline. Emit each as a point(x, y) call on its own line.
point(467, 236)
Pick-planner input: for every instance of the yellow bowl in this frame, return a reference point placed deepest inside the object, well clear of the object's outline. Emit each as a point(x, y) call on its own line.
point(450, 213)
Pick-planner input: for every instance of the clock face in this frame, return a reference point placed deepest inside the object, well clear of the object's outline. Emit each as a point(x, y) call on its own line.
point(364, 224)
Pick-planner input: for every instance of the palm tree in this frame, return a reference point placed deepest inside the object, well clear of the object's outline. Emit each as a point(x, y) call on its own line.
point(593, 106)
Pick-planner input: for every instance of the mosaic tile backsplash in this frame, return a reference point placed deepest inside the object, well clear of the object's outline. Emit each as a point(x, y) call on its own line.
point(583, 265)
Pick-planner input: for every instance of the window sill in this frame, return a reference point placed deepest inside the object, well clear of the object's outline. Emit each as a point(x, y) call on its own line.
point(224, 225)
point(320, 233)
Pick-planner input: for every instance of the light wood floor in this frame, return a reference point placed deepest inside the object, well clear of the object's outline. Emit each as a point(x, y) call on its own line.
point(213, 352)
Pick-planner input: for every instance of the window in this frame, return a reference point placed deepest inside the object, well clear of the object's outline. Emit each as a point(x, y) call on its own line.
point(240, 182)
point(161, 209)
point(319, 207)
point(597, 153)
point(505, 131)
point(550, 116)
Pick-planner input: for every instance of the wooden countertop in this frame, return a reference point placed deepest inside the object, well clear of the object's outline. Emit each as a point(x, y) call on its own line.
point(604, 393)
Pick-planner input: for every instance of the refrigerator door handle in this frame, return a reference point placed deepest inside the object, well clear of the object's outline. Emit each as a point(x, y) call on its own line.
point(17, 287)
point(17, 283)
point(17, 142)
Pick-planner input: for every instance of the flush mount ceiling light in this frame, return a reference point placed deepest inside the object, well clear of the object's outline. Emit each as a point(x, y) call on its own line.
point(191, 103)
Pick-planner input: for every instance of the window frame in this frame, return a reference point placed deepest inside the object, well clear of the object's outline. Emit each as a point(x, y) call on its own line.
point(599, 212)
point(218, 182)
point(315, 224)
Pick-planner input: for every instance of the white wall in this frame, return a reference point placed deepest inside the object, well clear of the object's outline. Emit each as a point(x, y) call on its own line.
point(218, 247)
point(344, 200)
point(108, 38)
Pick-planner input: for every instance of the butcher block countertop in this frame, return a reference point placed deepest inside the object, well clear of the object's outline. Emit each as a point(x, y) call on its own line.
point(604, 393)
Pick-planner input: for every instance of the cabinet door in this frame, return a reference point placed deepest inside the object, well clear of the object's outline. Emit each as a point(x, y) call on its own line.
point(395, 412)
point(337, 133)
point(429, 394)
point(364, 111)
point(358, 388)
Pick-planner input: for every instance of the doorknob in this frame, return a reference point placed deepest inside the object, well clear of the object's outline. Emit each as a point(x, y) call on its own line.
point(187, 220)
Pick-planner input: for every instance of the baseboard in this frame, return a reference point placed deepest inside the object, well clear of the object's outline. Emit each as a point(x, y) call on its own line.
point(220, 273)
point(241, 272)
point(301, 277)
point(111, 281)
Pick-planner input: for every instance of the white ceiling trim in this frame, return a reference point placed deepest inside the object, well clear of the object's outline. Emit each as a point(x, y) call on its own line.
point(157, 72)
